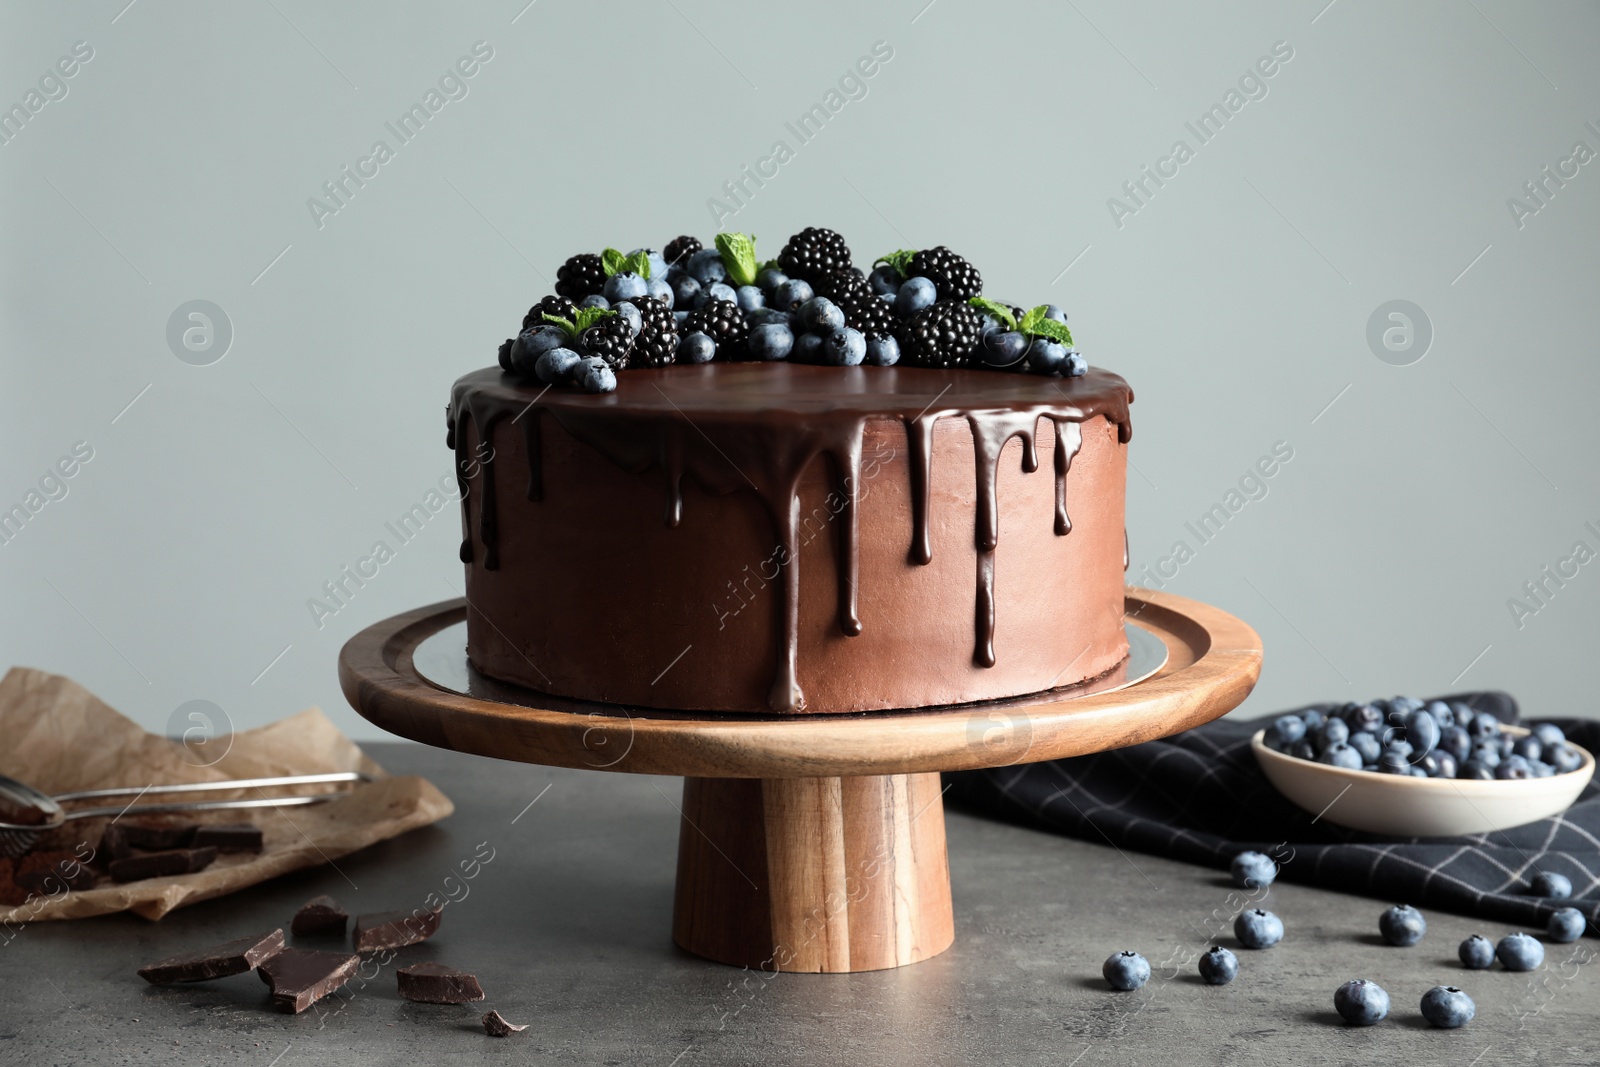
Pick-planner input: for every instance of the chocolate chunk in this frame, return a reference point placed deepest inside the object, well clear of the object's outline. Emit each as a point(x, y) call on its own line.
point(113, 845)
point(231, 957)
point(299, 977)
point(495, 1025)
point(157, 838)
point(394, 929)
point(55, 879)
point(319, 915)
point(434, 983)
point(162, 864)
point(232, 837)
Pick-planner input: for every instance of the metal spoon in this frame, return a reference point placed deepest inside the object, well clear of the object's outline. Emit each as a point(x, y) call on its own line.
point(40, 811)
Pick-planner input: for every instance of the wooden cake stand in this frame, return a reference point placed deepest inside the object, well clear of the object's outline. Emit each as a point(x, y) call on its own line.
point(812, 843)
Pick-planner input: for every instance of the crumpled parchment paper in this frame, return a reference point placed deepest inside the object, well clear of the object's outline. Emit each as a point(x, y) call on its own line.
point(58, 737)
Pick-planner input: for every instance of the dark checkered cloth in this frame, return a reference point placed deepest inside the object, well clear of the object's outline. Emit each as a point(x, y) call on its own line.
point(1200, 796)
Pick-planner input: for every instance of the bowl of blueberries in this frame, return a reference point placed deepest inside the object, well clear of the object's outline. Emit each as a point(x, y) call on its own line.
point(1410, 768)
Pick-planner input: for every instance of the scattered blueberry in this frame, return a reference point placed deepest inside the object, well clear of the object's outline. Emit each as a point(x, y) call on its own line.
point(821, 315)
point(1003, 348)
point(771, 341)
point(625, 285)
point(1077, 366)
point(807, 349)
point(1550, 885)
point(1126, 970)
point(1447, 1007)
point(705, 266)
point(1253, 870)
point(1566, 924)
point(1519, 952)
point(531, 344)
point(1218, 966)
point(914, 295)
point(845, 347)
point(594, 375)
point(696, 348)
point(1402, 925)
point(883, 351)
point(1258, 929)
point(1046, 356)
point(1476, 952)
point(1361, 1003)
point(791, 294)
point(555, 364)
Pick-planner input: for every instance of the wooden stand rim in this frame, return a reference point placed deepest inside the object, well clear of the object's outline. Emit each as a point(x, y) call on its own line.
point(1213, 662)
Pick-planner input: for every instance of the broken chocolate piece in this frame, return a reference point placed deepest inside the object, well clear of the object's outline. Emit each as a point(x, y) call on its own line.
point(58, 878)
point(113, 845)
point(161, 864)
point(394, 929)
point(319, 915)
point(157, 838)
point(299, 977)
point(231, 957)
point(434, 983)
point(232, 837)
point(495, 1025)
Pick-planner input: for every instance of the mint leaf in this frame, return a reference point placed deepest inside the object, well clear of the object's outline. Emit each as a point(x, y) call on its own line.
point(739, 256)
point(566, 325)
point(1034, 324)
point(995, 308)
point(900, 260)
point(587, 317)
point(639, 263)
point(611, 261)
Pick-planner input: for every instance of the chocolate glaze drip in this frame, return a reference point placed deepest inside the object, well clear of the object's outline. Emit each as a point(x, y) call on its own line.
point(535, 451)
point(756, 427)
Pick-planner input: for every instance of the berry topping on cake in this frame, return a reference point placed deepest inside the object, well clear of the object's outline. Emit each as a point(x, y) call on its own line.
point(680, 248)
point(657, 340)
point(942, 335)
point(723, 322)
point(580, 276)
point(954, 277)
point(813, 253)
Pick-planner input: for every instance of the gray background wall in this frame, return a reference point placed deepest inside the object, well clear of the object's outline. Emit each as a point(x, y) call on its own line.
point(1377, 167)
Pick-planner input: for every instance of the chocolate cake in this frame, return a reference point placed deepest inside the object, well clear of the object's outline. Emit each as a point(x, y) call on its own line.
point(752, 534)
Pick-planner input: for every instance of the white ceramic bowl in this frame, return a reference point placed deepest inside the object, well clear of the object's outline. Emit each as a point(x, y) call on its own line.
point(1403, 806)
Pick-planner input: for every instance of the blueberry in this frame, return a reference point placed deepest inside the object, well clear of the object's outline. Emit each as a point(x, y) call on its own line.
point(625, 285)
point(1513, 768)
point(1462, 712)
point(791, 294)
point(594, 300)
point(821, 315)
point(659, 289)
point(1476, 952)
point(1253, 870)
point(1475, 770)
point(1551, 886)
point(630, 314)
point(1445, 765)
point(1506, 742)
point(716, 291)
point(1313, 720)
point(807, 349)
point(914, 295)
point(1303, 749)
point(883, 351)
point(845, 347)
point(696, 347)
point(1287, 729)
point(1333, 732)
point(1402, 925)
point(1456, 741)
point(554, 365)
point(769, 278)
point(1447, 1007)
point(1397, 743)
point(1361, 1003)
point(1428, 765)
point(594, 375)
point(1422, 732)
point(1367, 745)
point(705, 266)
point(1055, 314)
point(1340, 754)
point(1484, 726)
point(885, 280)
point(531, 344)
point(1405, 705)
point(1528, 747)
point(1541, 769)
point(1441, 713)
point(1365, 718)
point(1393, 762)
point(1126, 970)
point(1549, 734)
point(680, 317)
point(1046, 357)
point(1258, 929)
point(1519, 952)
point(771, 341)
point(1218, 966)
point(1564, 758)
point(684, 291)
point(1003, 348)
point(749, 298)
point(1486, 753)
point(1417, 772)
point(658, 262)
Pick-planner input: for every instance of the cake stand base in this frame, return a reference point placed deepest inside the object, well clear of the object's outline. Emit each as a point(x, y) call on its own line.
point(813, 874)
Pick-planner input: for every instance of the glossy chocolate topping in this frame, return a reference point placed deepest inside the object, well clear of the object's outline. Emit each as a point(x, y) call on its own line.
point(755, 427)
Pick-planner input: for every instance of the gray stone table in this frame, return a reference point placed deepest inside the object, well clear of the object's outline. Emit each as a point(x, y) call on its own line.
point(567, 927)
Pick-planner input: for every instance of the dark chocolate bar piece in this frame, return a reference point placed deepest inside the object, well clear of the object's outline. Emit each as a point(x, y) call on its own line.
point(299, 977)
point(231, 837)
point(435, 983)
point(161, 864)
point(495, 1025)
point(157, 838)
point(55, 879)
point(113, 845)
point(319, 916)
point(230, 957)
point(394, 929)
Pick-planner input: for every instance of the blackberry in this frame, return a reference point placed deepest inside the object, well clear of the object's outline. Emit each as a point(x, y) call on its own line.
point(611, 339)
point(863, 309)
point(559, 306)
point(941, 335)
point(580, 276)
point(954, 277)
point(505, 353)
point(658, 334)
point(723, 322)
point(814, 253)
point(681, 248)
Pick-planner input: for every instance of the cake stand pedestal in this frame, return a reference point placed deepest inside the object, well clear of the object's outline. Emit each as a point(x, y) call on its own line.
point(807, 843)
